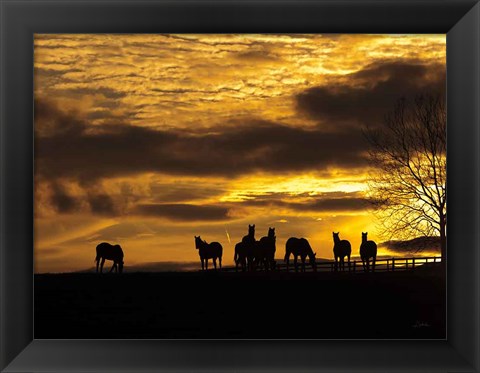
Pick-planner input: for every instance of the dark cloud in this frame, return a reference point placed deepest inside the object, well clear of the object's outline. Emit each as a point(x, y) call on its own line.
point(67, 147)
point(171, 192)
point(101, 204)
point(256, 56)
point(61, 200)
point(52, 122)
point(414, 245)
point(183, 212)
point(370, 93)
point(335, 201)
point(104, 91)
point(334, 204)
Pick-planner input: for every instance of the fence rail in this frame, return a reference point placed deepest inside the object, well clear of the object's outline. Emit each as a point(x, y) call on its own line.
point(381, 265)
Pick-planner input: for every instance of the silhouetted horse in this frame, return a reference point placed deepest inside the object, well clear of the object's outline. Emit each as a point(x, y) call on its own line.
point(240, 256)
point(368, 249)
point(110, 252)
point(264, 251)
point(341, 249)
point(299, 247)
point(207, 251)
point(244, 251)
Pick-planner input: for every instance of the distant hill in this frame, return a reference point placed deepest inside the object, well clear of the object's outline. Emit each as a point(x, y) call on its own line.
point(431, 243)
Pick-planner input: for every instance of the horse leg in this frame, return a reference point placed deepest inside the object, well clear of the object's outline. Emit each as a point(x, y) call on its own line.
point(101, 265)
point(114, 266)
point(303, 264)
point(295, 259)
point(336, 264)
point(349, 264)
point(374, 259)
point(368, 265)
point(206, 264)
point(98, 262)
point(201, 260)
point(220, 262)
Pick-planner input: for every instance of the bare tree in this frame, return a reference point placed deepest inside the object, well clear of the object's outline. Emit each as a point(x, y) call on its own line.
point(408, 155)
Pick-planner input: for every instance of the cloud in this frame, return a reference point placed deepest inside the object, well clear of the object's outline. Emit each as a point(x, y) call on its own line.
point(101, 204)
point(331, 202)
point(367, 95)
point(173, 192)
point(104, 91)
point(67, 147)
point(413, 245)
point(183, 212)
point(61, 200)
point(257, 56)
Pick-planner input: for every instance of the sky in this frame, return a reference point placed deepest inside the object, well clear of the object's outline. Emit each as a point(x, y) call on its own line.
point(150, 140)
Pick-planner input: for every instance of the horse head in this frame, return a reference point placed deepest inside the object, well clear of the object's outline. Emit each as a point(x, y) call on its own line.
point(336, 237)
point(251, 230)
point(198, 242)
point(364, 236)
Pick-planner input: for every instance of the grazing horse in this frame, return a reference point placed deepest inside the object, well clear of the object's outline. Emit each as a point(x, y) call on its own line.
point(110, 252)
point(299, 247)
point(264, 251)
point(244, 251)
point(368, 249)
point(212, 250)
point(341, 249)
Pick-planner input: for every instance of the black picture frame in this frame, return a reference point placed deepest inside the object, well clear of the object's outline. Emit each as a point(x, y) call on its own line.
point(460, 20)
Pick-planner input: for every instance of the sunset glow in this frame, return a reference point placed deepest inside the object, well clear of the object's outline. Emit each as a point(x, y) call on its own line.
point(150, 140)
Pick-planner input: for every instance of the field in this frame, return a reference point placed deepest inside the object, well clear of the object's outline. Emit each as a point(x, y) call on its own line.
point(408, 304)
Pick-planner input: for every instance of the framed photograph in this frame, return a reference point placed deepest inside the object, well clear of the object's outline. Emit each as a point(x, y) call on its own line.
point(240, 186)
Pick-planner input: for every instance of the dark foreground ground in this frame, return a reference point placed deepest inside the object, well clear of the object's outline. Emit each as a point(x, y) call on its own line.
point(241, 305)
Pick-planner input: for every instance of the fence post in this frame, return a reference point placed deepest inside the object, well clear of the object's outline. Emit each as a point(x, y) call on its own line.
point(413, 263)
point(406, 264)
point(434, 259)
point(393, 264)
point(388, 265)
point(331, 267)
point(354, 266)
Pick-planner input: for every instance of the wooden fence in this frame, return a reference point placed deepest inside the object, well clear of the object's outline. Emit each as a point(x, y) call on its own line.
point(381, 265)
